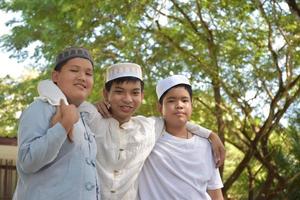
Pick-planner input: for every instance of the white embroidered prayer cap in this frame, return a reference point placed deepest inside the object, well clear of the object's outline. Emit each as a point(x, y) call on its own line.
point(123, 70)
point(169, 82)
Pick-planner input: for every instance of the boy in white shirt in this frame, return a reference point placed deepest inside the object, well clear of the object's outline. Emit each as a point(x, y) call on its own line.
point(124, 141)
point(181, 165)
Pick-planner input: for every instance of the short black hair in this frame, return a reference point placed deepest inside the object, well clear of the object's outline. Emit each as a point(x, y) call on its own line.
point(187, 87)
point(122, 80)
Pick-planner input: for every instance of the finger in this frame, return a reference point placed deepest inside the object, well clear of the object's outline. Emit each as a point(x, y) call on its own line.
point(216, 154)
point(56, 117)
point(222, 157)
point(216, 157)
point(97, 106)
point(62, 103)
point(105, 110)
point(107, 104)
point(70, 135)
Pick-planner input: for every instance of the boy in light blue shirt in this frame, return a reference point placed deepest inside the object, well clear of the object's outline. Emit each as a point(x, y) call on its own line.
point(57, 161)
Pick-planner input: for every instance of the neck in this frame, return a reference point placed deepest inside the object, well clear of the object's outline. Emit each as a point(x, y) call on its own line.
point(121, 121)
point(180, 132)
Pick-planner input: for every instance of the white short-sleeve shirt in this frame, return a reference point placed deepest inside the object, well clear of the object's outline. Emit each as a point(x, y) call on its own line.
point(180, 169)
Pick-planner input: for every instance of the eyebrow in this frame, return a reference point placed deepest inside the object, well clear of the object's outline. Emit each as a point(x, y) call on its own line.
point(182, 97)
point(118, 87)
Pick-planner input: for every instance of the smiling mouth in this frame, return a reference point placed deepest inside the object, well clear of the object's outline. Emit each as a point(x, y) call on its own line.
point(81, 86)
point(126, 108)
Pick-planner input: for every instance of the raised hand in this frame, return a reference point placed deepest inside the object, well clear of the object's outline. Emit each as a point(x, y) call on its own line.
point(103, 108)
point(67, 115)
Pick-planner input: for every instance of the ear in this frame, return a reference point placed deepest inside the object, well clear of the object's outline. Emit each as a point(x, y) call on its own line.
point(142, 96)
point(105, 94)
point(159, 107)
point(54, 76)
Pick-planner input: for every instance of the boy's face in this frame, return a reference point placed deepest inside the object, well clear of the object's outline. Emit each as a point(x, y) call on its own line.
point(176, 107)
point(124, 98)
point(75, 79)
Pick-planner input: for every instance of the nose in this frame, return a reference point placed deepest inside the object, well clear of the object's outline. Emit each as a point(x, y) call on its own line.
point(179, 105)
point(81, 76)
point(127, 98)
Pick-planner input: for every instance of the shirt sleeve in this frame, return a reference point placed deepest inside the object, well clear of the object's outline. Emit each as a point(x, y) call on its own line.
point(39, 144)
point(215, 182)
point(94, 118)
point(198, 130)
point(159, 126)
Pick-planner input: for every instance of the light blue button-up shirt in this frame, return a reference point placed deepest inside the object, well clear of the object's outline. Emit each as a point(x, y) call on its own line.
point(50, 167)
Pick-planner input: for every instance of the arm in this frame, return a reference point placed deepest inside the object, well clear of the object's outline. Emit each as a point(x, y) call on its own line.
point(215, 194)
point(218, 149)
point(38, 144)
point(93, 117)
point(217, 145)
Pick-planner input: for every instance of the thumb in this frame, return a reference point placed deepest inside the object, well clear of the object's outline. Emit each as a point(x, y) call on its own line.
point(56, 117)
point(62, 103)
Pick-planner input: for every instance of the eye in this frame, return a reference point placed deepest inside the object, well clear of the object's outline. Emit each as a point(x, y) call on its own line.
point(118, 91)
point(136, 93)
point(89, 73)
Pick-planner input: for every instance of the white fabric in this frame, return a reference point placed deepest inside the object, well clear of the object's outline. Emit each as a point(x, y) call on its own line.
point(122, 150)
point(165, 84)
point(50, 92)
point(122, 70)
point(179, 169)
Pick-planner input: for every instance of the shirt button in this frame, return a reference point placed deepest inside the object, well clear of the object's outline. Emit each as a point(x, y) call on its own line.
point(86, 137)
point(90, 139)
point(121, 149)
point(88, 161)
point(89, 186)
point(113, 191)
point(93, 163)
point(116, 172)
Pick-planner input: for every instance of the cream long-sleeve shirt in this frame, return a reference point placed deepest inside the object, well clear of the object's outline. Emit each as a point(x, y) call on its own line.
point(122, 150)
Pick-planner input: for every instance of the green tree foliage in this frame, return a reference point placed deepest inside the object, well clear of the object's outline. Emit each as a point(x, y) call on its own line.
point(241, 56)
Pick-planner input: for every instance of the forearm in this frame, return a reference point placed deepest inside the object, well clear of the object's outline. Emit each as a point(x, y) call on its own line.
point(39, 151)
point(198, 130)
point(215, 194)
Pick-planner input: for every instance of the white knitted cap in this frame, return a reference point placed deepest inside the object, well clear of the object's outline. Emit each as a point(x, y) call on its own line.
point(169, 82)
point(122, 70)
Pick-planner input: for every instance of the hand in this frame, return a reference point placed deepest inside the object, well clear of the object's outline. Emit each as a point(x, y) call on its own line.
point(67, 115)
point(103, 108)
point(218, 149)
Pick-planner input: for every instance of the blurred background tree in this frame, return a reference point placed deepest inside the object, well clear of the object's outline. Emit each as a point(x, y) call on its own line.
point(242, 58)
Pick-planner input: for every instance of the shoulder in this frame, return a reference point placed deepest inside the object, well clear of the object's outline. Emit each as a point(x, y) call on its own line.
point(37, 111)
point(39, 106)
point(150, 119)
point(204, 143)
point(87, 107)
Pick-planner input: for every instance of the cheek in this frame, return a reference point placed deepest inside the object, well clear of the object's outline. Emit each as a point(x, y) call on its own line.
point(90, 82)
point(165, 109)
point(137, 99)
